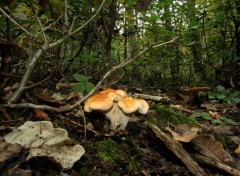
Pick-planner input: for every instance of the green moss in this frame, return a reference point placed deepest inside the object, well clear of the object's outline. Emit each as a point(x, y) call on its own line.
point(108, 150)
point(164, 116)
point(84, 171)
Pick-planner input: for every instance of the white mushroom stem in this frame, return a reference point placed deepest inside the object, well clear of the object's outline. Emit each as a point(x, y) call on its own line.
point(118, 119)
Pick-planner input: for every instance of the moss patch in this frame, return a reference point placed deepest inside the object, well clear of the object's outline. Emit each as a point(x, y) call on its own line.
point(109, 150)
point(164, 116)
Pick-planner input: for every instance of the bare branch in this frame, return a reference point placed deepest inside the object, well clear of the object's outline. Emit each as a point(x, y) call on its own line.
point(65, 12)
point(15, 22)
point(58, 42)
point(33, 59)
point(39, 21)
point(43, 30)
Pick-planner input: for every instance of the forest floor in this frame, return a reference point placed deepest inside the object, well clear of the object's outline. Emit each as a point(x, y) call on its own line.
point(139, 150)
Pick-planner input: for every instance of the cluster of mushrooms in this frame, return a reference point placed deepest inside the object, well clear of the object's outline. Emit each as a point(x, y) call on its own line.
point(117, 106)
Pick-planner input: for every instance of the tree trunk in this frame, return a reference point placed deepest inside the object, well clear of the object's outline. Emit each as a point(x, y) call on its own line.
point(195, 37)
point(236, 72)
point(111, 25)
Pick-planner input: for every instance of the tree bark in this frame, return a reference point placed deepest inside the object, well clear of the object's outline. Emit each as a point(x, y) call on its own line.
point(195, 37)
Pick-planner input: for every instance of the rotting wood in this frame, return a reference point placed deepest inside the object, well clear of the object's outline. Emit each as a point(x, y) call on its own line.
point(220, 165)
point(178, 150)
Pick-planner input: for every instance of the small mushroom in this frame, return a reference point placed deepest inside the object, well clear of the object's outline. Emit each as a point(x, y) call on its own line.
point(129, 106)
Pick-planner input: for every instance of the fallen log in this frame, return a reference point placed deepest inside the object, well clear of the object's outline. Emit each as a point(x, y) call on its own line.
point(178, 150)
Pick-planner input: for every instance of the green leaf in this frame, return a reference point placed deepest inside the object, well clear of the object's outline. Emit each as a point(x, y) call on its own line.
point(84, 2)
point(204, 115)
point(217, 121)
point(89, 87)
point(220, 88)
point(80, 78)
point(210, 96)
point(88, 57)
point(227, 120)
point(221, 96)
point(79, 88)
point(152, 19)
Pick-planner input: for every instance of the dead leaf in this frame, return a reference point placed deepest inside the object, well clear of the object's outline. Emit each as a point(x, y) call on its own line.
point(90, 126)
point(72, 95)
point(58, 96)
point(214, 115)
point(184, 133)
point(45, 140)
point(211, 148)
point(47, 98)
point(225, 129)
point(209, 107)
point(41, 114)
point(237, 151)
point(235, 139)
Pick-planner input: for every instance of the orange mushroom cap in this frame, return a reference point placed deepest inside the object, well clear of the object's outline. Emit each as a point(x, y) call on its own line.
point(103, 101)
point(130, 105)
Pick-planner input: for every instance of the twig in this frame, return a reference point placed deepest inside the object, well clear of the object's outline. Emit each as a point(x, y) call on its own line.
point(222, 166)
point(15, 22)
point(50, 25)
point(60, 41)
point(84, 122)
point(45, 79)
point(39, 21)
point(150, 97)
point(65, 12)
point(77, 124)
point(4, 112)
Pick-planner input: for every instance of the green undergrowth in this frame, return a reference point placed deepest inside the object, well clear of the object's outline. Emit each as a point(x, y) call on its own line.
point(109, 150)
point(116, 154)
point(165, 115)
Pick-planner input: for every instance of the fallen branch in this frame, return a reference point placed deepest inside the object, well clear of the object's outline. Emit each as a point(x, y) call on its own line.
point(107, 74)
point(178, 150)
point(181, 108)
point(150, 97)
point(230, 170)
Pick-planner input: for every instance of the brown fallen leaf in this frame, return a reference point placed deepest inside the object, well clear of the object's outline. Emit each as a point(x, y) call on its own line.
point(184, 133)
point(211, 148)
point(214, 115)
point(225, 129)
point(235, 139)
point(41, 114)
point(73, 95)
point(51, 99)
point(237, 151)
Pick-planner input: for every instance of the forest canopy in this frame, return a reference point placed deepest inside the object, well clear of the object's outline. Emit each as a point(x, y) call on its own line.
point(88, 38)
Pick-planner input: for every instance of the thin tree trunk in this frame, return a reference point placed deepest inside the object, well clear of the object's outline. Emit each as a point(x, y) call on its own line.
point(195, 37)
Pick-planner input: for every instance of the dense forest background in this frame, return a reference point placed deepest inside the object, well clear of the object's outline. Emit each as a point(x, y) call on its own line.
point(206, 51)
point(176, 61)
